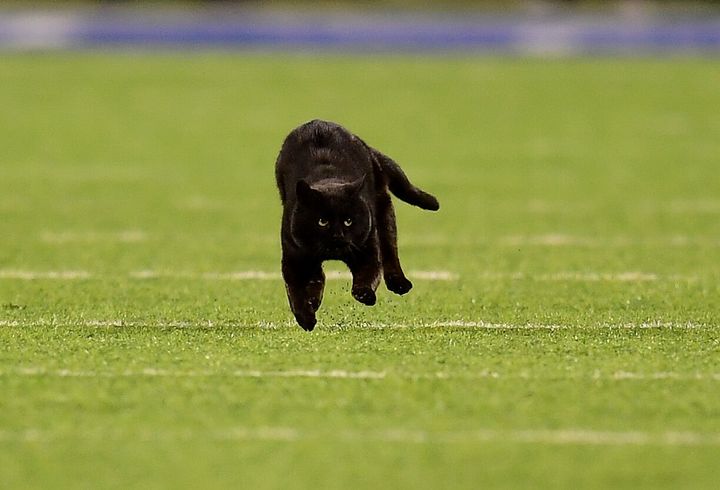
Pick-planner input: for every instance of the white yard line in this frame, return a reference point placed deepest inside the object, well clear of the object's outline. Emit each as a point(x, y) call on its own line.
point(169, 373)
point(122, 236)
point(550, 239)
point(310, 373)
point(332, 275)
point(111, 323)
point(564, 437)
point(580, 276)
point(26, 275)
point(433, 275)
point(567, 240)
point(560, 239)
point(439, 324)
point(208, 276)
point(248, 275)
point(660, 375)
point(597, 277)
point(419, 275)
point(543, 436)
point(153, 372)
point(602, 438)
point(548, 326)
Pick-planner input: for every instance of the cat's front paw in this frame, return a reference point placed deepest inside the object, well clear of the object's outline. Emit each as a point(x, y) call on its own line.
point(364, 295)
point(306, 321)
point(398, 284)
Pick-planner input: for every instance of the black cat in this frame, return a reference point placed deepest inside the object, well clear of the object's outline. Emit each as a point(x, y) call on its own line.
point(336, 206)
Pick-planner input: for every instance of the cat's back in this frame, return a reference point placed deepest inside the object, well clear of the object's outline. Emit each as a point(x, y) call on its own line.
point(305, 142)
point(319, 133)
point(319, 149)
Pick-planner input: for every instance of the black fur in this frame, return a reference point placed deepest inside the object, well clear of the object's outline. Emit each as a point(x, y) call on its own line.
point(336, 206)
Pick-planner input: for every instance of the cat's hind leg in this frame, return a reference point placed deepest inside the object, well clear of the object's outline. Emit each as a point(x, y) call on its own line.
point(395, 279)
point(304, 283)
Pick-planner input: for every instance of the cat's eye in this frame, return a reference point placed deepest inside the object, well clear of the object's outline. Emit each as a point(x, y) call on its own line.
point(347, 222)
point(322, 222)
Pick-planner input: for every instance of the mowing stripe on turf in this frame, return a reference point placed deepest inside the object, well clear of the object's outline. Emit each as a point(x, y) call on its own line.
point(153, 372)
point(570, 436)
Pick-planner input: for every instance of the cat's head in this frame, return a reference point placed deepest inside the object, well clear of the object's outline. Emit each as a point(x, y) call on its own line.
point(332, 219)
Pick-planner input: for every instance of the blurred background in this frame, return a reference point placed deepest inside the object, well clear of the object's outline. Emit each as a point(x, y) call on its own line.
point(530, 26)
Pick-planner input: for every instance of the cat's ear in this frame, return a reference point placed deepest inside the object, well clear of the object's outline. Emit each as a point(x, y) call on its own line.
point(355, 187)
point(306, 194)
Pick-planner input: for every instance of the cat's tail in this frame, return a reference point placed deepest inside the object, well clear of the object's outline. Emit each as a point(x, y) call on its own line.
point(401, 186)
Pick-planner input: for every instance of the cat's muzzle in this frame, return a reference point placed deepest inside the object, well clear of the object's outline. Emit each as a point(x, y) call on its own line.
point(336, 250)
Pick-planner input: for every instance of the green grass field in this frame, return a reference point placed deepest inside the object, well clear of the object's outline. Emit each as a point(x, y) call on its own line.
point(564, 328)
